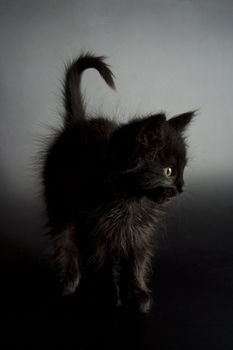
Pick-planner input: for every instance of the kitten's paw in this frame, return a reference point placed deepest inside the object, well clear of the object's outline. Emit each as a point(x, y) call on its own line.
point(145, 304)
point(70, 285)
point(119, 302)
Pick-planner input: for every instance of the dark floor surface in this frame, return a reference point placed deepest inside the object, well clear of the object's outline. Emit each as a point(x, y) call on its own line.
point(193, 307)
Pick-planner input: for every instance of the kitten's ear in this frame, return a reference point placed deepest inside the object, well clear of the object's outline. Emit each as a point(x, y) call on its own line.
point(128, 139)
point(152, 129)
point(181, 121)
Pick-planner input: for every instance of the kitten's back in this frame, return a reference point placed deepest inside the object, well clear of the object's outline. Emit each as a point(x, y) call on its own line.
point(75, 165)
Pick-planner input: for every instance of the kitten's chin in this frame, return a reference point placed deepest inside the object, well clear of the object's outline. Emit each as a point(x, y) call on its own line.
point(161, 194)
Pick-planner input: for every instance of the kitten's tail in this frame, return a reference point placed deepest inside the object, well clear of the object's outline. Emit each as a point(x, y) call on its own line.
point(73, 100)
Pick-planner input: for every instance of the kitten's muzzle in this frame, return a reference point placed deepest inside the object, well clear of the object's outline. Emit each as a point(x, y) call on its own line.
point(180, 185)
point(161, 193)
point(180, 189)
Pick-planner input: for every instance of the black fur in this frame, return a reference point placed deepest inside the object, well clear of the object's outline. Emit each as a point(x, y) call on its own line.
point(105, 189)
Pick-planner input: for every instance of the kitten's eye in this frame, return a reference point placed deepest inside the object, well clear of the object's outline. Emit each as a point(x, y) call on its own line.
point(167, 171)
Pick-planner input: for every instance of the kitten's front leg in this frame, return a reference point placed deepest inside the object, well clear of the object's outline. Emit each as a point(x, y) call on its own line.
point(116, 272)
point(66, 258)
point(139, 290)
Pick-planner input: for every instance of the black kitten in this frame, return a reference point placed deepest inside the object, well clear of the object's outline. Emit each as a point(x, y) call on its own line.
point(105, 185)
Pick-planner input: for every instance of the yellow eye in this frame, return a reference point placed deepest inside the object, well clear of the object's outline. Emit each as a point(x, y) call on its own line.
point(167, 171)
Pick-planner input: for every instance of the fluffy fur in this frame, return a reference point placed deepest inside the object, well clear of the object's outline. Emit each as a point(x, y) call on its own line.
point(106, 185)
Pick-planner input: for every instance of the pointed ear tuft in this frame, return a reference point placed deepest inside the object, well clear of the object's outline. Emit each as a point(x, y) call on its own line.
point(181, 121)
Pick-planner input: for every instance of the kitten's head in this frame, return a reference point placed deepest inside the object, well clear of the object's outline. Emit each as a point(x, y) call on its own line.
point(149, 156)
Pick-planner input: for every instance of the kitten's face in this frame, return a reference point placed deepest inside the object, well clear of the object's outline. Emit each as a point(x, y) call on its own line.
point(151, 156)
point(172, 158)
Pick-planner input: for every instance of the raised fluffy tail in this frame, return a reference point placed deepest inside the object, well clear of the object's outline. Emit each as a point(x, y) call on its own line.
point(73, 100)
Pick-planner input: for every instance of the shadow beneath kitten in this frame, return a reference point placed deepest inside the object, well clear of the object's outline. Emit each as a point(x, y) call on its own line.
point(34, 313)
point(192, 309)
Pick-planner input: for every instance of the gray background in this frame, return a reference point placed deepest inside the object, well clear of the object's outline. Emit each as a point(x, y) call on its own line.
point(167, 55)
